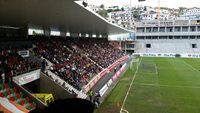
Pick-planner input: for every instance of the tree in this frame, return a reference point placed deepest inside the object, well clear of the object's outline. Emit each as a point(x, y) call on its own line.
point(166, 8)
point(103, 13)
point(102, 6)
point(181, 9)
point(122, 8)
point(109, 10)
point(136, 14)
point(117, 10)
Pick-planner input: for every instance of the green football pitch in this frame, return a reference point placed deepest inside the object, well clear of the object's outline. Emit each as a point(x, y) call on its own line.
point(159, 85)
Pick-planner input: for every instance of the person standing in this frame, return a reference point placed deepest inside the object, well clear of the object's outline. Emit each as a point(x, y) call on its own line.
point(74, 94)
point(90, 93)
point(115, 70)
point(3, 77)
point(10, 75)
point(97, 99)
point(43, 65)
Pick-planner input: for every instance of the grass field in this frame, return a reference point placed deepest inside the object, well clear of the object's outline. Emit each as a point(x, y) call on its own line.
point(161, 85)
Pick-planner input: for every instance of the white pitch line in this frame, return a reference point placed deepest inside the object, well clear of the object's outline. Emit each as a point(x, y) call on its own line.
point(144, 84)
point(156, 69)
point(191, 66)
point(124, 111)
point(129, 88)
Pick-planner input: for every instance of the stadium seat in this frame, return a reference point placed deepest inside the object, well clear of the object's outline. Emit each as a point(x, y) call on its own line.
point(12, 91)
point(27, 99)
point(34, 104)
point(21, 102)
point(15, 97)
point(9, 85)
point(28, 107)
point(21, 93)
point(5, 94)
point(5, 86)
point(15, 89)
point(1, 87)
point(18, 95)
point(1, 95)
point(31, 105)
point(11, 99)
point(8, 92)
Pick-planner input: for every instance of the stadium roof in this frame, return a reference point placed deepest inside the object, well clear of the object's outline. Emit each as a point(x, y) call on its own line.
point(57, 14)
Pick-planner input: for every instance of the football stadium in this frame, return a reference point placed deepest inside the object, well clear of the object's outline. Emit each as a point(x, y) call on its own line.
point(62, 57)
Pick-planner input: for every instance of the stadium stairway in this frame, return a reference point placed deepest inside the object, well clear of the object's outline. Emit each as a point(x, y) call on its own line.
point(69, 88)
point(95, 62)
point(69, 49)
point(49, 64)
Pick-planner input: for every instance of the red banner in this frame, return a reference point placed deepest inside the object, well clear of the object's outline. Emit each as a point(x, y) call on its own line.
point(104, 72)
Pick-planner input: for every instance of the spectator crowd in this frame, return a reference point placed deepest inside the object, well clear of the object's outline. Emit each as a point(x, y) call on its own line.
point(69, 64)
point(12, 64)
point(100, 51)
point(77, 60)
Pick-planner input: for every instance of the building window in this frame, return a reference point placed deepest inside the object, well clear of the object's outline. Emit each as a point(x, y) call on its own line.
point(177, 37)
point(177, 29)
point(155, 29)
point(170, 37)
point(192, 29)
point(148, 37)
point(162, 29)
point(198, 28)
point(169, 29)
point(184, 37)
point(140, 37)
point(192, 37)
point(148, 45)
point(184, 29)
point(194, 45)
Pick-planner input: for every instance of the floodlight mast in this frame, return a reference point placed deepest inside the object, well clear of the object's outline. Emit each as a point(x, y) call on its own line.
point(130, 20)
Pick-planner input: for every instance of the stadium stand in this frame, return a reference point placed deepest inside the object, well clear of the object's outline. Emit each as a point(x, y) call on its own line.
point(72, 58)
point(77, 60)
point(12, 64)
point(13, 94)
point(100, 51)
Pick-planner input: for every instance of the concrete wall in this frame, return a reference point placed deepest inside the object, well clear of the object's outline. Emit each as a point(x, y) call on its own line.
point(46, 85)
point(168, 46)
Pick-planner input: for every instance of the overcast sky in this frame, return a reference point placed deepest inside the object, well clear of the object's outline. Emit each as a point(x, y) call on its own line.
point(163, 3)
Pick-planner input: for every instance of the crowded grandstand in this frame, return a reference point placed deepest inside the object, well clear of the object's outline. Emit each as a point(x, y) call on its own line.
point(67, 54)
point(42, 61)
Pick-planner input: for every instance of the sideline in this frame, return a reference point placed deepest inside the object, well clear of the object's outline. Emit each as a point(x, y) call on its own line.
point(123, 110)
point(159, 85)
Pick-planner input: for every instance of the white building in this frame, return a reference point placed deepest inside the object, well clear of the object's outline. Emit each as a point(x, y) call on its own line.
point(191, 13)
point(113, 7)
point(174, 36)
point(150, 13)
point(122, 18)
point(94, 8)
